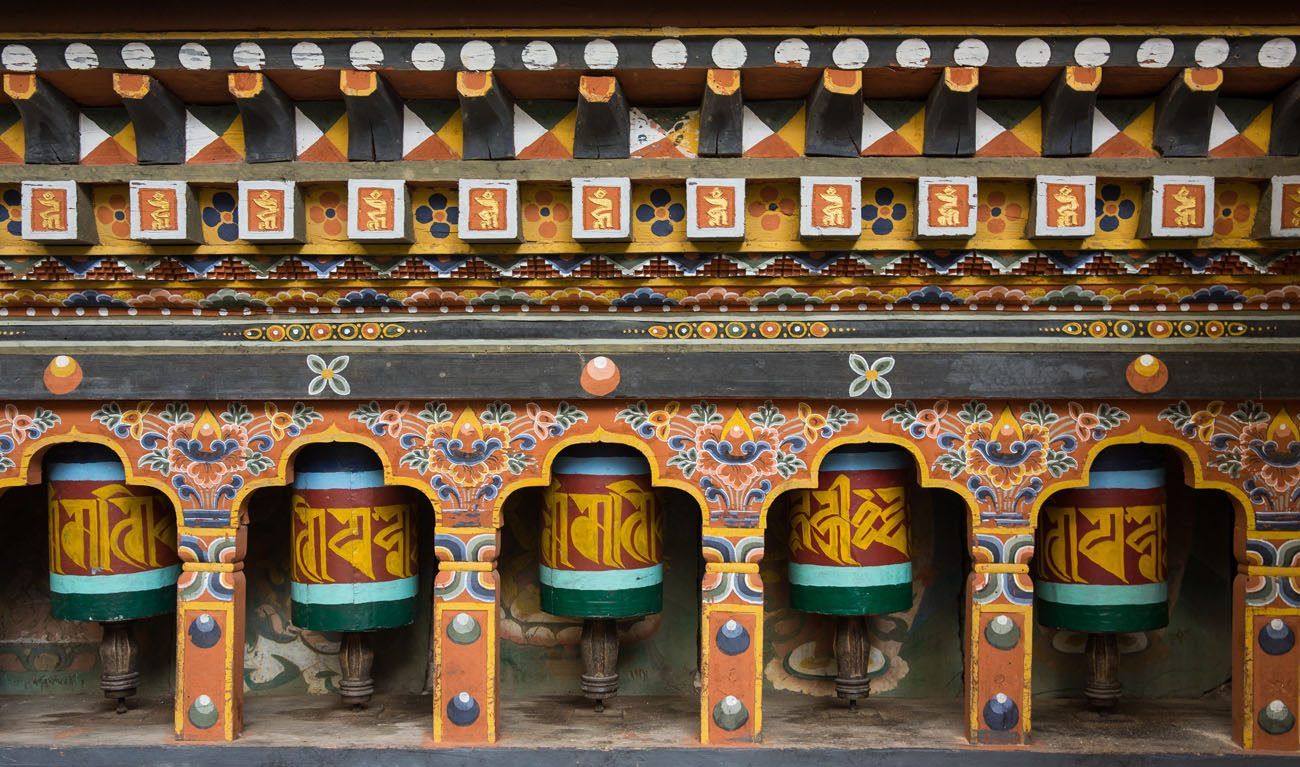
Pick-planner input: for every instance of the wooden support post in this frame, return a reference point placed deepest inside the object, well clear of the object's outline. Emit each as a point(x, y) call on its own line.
point(210, 616)
point(999, 637)
point(487, 112)
point(1185, 111)
point(50, 120)
point(731, 636)
point(950, 113)
point(157, 116)
point(603, 127)
point(465, 597)
point(374, 117)
point(1068, 109)
point(269, 132)
point(834, 123)
point(722, 115)
point(1284, 137)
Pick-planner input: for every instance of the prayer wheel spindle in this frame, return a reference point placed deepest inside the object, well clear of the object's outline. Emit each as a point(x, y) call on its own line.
point(354, 556)
point(602, 552)
point(1101, 561)
point(112, 556)
point(850, 554)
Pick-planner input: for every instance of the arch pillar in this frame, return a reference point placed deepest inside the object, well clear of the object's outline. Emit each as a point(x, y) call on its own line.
point(731, 636)
point(465, 594)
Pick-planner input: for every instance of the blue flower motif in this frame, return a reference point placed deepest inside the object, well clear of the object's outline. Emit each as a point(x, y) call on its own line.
point(662, 211)
point(1112, 208)
point(11, 212)
point(223, 216)
point(884, 212)
point(438, 215)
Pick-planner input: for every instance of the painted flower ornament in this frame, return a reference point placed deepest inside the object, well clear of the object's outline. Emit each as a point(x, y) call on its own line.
point(871, 376)
point(1005, 451)
point(328, 374)
point(1271, 451)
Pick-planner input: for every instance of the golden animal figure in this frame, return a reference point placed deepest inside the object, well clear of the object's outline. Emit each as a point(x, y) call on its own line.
point(1067, 208)
point(160, 218)
point(268, 220)
point(602, 209)
point(1185, 211)
point(52, 215)
point(949, 213)
point(489, 212)
point(377, 216)
point(719, 210)
point(833, 210)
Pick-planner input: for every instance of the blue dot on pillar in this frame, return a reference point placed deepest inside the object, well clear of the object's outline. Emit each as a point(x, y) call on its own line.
point(730, 713)
point(732, 638)
point(203, 712)
point(1001, 712)
point(1276, 638)
point(204, 631)
point(462, 709)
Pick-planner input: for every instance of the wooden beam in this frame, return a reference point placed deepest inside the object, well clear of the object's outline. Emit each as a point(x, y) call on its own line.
point(157, 116)
point(1068, 109)
point(374, 117)
point(487, 112)
point(51, 131)
point(1284, 138)
point(269, 133)
point(950, 113)
point(604, 126)
point(1185, 111)
point(722, 115)
point(834, 123)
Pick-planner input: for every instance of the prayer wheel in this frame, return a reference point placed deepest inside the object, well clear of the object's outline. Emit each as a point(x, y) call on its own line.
point(112, 556)
point(601, 553)
point(850, 554)
point(1101, 560)
point(354, 555)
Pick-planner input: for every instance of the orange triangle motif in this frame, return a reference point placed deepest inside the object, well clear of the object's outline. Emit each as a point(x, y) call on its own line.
point(548, 147)
point(432, 148)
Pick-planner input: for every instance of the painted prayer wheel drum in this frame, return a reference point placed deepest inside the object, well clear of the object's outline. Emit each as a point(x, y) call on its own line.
point(1101, 548)
point(354, 543)
point(850, 552)
point(602, 536)
point(112, 547)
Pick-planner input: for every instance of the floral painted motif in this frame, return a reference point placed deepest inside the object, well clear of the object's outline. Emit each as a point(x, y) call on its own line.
point(871, 376)
point(1253, 443)
point(883, 212)
point(466, 455)
point(438, 215)
point(222, 216)
point(209, 455)
point(11, 211)
point(1113, 207)
point(1232, 212)
point(735, 458)
point(547, 213)
point(1005, 457)
point(662, 211)
point(328, 374)
point(113, 214)
point(329, 213)
point(771, 209)
point(996, 212)
point(16, 427)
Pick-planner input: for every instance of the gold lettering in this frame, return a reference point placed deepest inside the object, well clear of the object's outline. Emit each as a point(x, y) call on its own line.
point(949, 212)
point(52, 215)
point(1185, 211)
point(160, 218)
point(718, 212)
point(833, 210)
point(489, 213)
point(828, 522)
point(602, 209)
point(1067, 209)
point(603, 529)
point(269, 219)
point(377, 216)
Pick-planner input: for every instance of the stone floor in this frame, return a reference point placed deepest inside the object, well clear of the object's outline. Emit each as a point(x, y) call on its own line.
point(544, 730)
